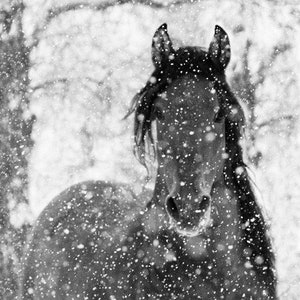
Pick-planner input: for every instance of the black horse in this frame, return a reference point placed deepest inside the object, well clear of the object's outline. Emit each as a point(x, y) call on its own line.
point(201, 236)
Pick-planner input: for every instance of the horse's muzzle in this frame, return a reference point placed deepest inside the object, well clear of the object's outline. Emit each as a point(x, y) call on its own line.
point(190, 217)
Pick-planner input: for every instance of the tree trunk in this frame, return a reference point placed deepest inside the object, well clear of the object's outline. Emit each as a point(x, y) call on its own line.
point(16, 143)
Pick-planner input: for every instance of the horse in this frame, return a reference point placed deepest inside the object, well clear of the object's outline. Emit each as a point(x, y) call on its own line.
point(202, 234)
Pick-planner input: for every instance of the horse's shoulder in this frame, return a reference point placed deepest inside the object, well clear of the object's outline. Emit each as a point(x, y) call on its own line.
point(87, 207)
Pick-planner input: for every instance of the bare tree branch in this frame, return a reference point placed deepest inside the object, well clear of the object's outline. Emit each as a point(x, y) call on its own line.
point(101, 6)
point(274, 120)
point(266, 64)
point(52, 82)
point(7, 16)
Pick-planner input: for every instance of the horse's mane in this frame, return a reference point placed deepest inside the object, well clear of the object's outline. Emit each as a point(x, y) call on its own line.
point(196, 61)
point(254, 227)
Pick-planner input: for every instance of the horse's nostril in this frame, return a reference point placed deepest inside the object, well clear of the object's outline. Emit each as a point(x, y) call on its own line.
point(172, 208)
point(204, 203)
point(205, 198)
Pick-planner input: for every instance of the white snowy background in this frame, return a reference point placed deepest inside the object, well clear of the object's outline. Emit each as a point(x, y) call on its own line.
point(88, 65)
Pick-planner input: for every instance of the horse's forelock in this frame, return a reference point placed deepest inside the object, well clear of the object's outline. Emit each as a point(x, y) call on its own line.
point(142, 106)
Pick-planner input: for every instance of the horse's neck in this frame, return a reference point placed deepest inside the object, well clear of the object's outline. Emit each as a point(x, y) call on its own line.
point(225, 215)
point(156, 218)
point(226, 230)
point(160, 192)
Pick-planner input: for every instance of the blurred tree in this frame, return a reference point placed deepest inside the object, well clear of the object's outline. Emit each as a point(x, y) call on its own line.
point(267, 81)
point(247, 86)
point(247, 80)
point(15, 130)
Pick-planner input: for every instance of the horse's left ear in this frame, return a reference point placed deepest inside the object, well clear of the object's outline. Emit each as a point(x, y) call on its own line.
point(162, 48)
point(219, 48)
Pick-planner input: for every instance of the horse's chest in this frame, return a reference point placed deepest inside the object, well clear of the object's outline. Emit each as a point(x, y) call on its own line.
point(195, 268)
point(166, 271)
point(166, 268)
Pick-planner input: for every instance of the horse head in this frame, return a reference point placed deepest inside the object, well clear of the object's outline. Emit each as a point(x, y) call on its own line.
point(188, 97)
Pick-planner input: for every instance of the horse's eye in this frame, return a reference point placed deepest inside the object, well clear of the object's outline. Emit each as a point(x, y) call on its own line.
point(219, 116)
point(157, 113)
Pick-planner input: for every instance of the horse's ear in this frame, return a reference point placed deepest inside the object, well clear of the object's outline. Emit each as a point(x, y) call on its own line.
point(219, 48)
point(162, 49)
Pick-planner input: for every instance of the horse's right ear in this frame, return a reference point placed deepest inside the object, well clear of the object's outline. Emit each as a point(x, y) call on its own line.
point(219, 48)
point(162, 49)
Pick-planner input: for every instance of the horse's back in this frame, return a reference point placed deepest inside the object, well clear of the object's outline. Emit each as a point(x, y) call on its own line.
point(71, 244)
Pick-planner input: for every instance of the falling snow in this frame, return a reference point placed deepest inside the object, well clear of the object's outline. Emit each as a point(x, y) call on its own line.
point(68, 74)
